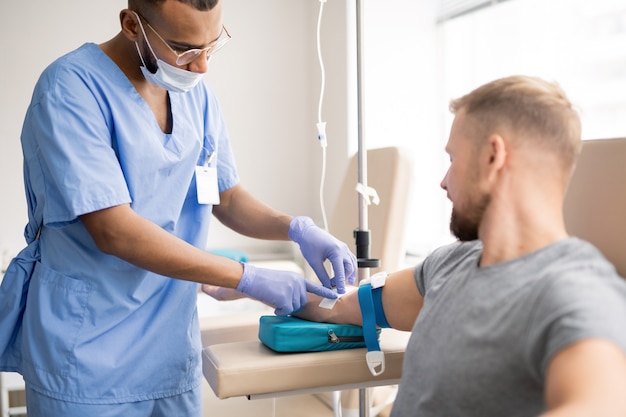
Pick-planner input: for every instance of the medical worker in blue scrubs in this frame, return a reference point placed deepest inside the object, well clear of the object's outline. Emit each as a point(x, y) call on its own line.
point(126, 157)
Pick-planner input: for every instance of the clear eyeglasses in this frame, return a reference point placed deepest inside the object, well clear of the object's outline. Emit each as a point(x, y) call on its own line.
point(190, 55)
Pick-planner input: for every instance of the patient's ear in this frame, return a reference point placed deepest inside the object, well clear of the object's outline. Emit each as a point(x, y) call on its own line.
point(496, 154)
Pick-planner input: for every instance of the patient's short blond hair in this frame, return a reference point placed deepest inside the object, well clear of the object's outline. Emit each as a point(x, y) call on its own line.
point(528, 111)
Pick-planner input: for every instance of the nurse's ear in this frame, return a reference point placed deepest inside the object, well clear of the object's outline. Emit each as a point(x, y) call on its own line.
point(130, 26)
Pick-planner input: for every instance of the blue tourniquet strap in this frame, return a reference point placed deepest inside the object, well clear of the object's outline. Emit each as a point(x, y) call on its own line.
point(369, 317)
point(379, 311)
point(375, 357)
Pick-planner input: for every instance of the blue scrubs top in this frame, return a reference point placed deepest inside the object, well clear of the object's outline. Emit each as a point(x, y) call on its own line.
point(97, 329)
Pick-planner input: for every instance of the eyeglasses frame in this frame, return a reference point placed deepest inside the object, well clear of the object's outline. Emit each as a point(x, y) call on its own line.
point(194, 53)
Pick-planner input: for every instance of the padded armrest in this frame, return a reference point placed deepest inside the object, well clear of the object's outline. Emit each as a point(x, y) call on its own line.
point(248, 368)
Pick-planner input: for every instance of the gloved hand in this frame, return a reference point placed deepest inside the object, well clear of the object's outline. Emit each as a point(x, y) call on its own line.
point(317, 245)
point(284, 290)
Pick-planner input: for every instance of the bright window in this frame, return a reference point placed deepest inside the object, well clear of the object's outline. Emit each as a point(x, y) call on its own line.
point(415, 65)
point(580, 44)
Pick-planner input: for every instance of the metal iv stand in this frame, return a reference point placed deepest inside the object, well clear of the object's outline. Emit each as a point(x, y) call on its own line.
point(362, 233)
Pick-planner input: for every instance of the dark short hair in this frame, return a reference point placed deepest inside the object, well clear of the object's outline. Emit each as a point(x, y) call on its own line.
point(529, 106)
point(202, 5)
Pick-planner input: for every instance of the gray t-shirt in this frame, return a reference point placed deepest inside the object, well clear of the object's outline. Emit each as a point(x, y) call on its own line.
point(485, 336)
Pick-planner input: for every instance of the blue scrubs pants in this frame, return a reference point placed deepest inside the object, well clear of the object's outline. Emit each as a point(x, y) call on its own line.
point(188, 404)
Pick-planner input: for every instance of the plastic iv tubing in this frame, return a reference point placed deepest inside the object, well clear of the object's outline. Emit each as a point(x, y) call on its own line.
point(321, 126)
point(321, 136)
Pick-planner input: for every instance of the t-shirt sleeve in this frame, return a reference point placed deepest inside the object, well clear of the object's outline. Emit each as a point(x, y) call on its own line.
point(444, 263)
point(573, 307)
point(74, 165)
point(418, 273)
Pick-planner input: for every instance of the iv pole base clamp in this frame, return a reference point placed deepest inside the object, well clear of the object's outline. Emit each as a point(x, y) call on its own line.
point(368, 263)
point(362, 238)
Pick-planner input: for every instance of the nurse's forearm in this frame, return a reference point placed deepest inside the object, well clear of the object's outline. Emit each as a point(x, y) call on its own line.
point(120, 232)
point(242, 212)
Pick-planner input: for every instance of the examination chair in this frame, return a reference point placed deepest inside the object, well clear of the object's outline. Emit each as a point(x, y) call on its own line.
point(11, 385)
point(595, 203)
point(390, 174)
point(236, 364)
point(595, 207)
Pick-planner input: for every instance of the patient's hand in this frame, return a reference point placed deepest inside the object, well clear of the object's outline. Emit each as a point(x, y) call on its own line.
point(221, 293)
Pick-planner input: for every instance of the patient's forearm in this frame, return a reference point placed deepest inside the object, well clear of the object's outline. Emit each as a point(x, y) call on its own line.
point(401, 300)
point(346, 310)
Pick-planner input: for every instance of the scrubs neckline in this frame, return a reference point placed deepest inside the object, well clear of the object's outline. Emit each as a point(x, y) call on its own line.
point(123, 81)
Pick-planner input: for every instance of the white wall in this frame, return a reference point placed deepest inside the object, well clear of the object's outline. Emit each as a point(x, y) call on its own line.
point(272, 66)
point(404, 105)
point(267, 79)
point(32, 34)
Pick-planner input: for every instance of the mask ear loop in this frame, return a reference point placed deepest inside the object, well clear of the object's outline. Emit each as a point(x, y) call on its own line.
point(145, 37)
point(140, 57)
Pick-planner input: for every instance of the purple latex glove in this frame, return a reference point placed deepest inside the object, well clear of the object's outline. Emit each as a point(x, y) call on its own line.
point(285, 290)
point(317, 245)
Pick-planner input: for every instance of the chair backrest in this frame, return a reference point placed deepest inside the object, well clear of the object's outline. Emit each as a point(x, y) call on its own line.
point(595, 203)
point(11, 382)
point(389, 172)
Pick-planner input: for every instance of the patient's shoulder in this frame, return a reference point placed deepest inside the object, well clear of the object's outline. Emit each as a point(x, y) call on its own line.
point(455, 252)
point(578, 259)
point(445, 262)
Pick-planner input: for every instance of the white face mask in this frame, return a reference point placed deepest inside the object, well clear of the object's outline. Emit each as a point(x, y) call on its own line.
point(167, 76)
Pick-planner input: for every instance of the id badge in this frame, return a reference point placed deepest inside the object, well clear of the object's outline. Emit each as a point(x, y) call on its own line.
point(206, 185)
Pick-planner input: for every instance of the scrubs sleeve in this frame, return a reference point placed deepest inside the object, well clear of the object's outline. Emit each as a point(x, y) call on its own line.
point(74, 166)
point(218, 139)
